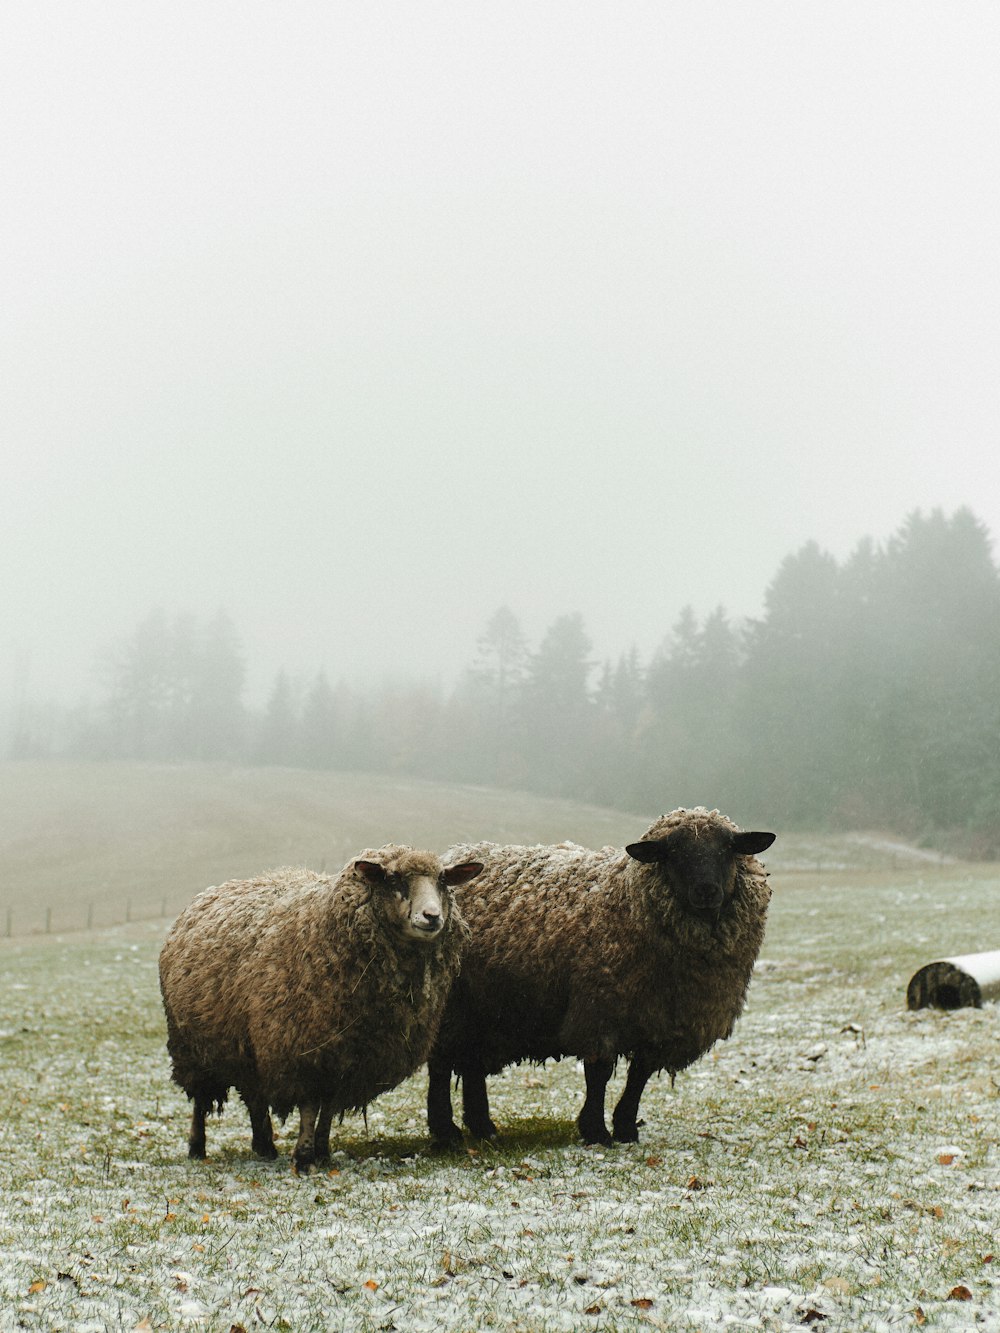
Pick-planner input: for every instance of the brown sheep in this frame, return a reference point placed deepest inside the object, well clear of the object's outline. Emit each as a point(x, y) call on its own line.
point(310, 991)
point(644, 953)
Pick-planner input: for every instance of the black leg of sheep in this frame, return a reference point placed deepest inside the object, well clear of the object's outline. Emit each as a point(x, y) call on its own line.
point(440, 1121)
point(322, 1139)
point(196, 1138)
point(475, 1102)
point(625, 1123)
point(591, 1120)
point(261, 1127)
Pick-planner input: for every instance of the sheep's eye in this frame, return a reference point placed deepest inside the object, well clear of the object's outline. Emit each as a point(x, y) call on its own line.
point(402, 888)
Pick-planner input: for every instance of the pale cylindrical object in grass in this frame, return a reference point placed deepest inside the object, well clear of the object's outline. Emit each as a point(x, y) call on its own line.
point(956, 983)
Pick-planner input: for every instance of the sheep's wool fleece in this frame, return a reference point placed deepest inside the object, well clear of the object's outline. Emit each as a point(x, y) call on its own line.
point(292, 985)
point(586, 953)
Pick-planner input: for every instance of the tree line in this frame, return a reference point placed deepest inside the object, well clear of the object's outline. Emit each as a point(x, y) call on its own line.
point(867, 694)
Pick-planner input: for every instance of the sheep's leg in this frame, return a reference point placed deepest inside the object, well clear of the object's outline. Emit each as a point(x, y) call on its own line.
point(476, 1102)
point(624, 1121)
point(591, 1119)
point(323, 1123)
point(304, 1156)
point(442, 1127)
point(262, 1142)
point(196, 1136)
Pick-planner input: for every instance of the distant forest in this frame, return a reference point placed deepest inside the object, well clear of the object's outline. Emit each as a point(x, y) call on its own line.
point(866, 696)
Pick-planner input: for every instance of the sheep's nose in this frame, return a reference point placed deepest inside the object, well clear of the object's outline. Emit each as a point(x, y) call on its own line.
point(705, 897)
point(431, 919)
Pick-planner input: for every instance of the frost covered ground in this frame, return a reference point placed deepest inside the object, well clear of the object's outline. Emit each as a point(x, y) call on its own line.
point(833, 1166)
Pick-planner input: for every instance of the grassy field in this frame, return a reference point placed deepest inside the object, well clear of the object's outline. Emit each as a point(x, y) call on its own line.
point(833, 1166)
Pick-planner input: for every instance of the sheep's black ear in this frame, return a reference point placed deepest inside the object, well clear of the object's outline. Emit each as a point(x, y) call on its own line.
point(455, 875)
point(749, 844)
point(372, 871)
point(649, 850)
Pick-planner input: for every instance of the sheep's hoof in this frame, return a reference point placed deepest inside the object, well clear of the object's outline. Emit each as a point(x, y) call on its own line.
point(486, 1131)
point(597, 1134)
point(304, 1165)
point(266, 1150)
point(196, 1151)
point(447, 1136)
point(626, 1134)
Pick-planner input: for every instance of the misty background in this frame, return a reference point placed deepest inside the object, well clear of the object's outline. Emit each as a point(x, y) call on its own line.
point(331, 331)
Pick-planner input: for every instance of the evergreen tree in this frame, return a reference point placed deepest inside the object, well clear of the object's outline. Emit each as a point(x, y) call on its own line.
point(317, 741)
point(786, 723)
point(279, 725)
point(217, 674)
point(139, 674)
point(940, 617)
point(483, 714)
point(558, 733)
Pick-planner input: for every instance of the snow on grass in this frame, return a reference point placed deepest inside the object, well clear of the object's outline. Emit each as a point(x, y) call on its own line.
point(833, 1166)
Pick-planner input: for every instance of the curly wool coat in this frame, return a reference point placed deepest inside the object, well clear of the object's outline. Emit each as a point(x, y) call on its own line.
point(294, 988)
point(594, 954)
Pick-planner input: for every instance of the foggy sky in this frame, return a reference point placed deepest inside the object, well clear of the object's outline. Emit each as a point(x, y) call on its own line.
point(359, 320)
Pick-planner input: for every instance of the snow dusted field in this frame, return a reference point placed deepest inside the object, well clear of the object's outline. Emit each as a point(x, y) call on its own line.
point(834, 1166)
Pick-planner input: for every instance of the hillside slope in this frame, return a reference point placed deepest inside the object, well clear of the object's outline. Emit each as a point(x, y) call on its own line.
point(92, 842)
point(95, 844)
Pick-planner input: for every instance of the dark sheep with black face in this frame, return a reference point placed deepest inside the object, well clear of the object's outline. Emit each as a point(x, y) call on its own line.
point(644, 953)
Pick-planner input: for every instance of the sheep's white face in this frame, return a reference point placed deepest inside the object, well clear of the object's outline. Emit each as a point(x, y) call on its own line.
point(418, 905)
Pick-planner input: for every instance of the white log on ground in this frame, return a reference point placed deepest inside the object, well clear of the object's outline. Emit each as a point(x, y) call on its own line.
point(955, 983)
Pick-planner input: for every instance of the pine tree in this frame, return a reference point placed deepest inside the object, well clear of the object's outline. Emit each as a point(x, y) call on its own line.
point(318, 729)
point(279, 725)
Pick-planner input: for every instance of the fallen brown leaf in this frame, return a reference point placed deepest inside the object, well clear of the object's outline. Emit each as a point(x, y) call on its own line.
point(960, 1293)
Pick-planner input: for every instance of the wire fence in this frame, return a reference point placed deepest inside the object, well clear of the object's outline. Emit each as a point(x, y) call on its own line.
point(24, 916)
point(23, 919)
